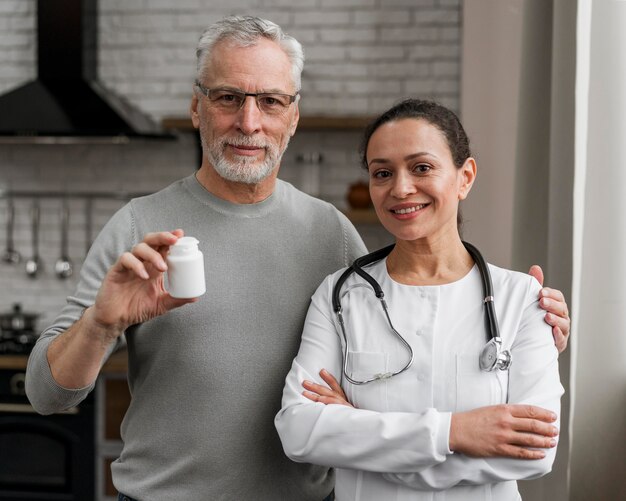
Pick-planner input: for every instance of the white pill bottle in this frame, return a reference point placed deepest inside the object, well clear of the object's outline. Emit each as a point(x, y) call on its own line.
point(185, 269)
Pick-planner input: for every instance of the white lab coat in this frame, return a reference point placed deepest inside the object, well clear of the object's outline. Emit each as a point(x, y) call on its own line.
point(394, 444)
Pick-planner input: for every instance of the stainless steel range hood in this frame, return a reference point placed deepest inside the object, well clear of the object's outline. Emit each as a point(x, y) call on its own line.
point(66, 103)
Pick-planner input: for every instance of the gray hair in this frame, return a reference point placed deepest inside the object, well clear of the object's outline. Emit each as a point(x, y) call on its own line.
point(245, 31)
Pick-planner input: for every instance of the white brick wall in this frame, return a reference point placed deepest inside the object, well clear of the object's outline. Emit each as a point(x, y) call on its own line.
point(362, 55)
point(146, 49)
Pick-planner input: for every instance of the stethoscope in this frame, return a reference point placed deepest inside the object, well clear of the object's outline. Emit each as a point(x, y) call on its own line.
point(491, 357)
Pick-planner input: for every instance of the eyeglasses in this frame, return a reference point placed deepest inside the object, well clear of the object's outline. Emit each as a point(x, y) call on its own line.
point(231, 100)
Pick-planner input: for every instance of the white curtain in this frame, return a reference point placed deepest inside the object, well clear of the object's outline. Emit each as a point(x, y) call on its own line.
point(598, 418)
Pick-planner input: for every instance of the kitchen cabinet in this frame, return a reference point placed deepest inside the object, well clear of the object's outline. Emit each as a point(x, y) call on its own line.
point(113, 400)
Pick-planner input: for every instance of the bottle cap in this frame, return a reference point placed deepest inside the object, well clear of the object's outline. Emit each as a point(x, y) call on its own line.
point(184, 245)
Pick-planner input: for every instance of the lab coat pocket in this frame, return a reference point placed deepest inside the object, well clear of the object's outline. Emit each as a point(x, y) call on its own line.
point(363, 365)
point(476, 388)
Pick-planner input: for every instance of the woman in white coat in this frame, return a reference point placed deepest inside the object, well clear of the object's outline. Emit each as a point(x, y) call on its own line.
point(441, 429)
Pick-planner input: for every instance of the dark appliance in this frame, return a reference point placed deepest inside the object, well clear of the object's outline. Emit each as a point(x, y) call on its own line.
point(18, 332)
point(41, 457)
point(44, 457)
point(66, 99)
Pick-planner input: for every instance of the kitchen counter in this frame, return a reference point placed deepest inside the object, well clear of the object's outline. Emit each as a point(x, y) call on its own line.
point(13, 361)
point(117, 363)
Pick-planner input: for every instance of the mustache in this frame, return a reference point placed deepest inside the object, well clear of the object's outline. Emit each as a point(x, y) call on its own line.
point(244, 141)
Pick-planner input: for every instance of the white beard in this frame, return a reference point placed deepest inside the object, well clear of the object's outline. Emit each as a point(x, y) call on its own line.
point(243, 169)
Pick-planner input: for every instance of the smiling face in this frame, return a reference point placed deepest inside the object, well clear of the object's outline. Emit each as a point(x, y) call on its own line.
point(414, 184)
point(245, 145)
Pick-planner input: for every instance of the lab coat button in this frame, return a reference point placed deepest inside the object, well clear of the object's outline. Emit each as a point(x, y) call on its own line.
point(418, 332)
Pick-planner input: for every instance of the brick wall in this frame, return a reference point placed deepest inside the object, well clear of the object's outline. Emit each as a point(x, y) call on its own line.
point(362, 55)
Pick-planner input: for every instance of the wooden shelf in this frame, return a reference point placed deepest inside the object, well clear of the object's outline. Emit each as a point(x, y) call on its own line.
point(362, 216)
point(178, 123)
point(13, 361)
point(333, 123)
point(306, 123)
point(117, 363)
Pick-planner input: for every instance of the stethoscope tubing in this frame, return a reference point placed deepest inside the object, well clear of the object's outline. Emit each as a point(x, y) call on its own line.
point(383, 375)
point(492, 356)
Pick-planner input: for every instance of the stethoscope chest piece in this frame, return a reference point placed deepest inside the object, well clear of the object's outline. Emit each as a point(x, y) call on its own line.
point(493, 357)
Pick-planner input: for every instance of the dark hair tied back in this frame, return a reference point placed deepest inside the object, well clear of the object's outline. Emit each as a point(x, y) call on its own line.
point(434, 113)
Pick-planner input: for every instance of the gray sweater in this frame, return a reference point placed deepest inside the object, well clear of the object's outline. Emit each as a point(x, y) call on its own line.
point(206, 379)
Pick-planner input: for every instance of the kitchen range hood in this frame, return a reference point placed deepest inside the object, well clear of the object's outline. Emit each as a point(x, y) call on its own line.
point(66, 103)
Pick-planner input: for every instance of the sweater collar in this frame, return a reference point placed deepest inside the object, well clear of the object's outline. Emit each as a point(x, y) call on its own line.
point(224, 206)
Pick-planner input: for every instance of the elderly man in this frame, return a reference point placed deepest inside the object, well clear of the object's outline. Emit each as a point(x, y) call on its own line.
point(206, 379)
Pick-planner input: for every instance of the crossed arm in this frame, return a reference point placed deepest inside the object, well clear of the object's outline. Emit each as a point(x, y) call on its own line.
point(488, 444)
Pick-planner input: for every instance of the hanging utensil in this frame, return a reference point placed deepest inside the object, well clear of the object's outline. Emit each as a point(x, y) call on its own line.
point(10, 254)
point(63, 266)
point(34, 264)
